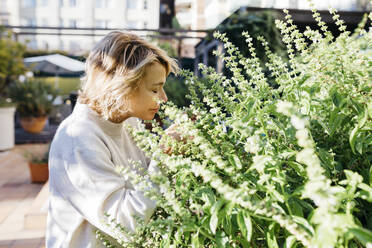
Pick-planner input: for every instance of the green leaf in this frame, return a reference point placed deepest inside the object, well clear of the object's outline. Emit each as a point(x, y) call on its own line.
point(304, 223)
point(165, 243)
point(352, 138)
point(290, 242)
point(221, 239)
point(295, 207)
point(362, 119)
point(195, 240)
point(235, 161)
point(248, 109)
point(304, 78)
point(213, 223)
point(245, 224)
point(366, 192)
point(370, 110)
point(270, 237)
point(337, 99)
point(362, 234)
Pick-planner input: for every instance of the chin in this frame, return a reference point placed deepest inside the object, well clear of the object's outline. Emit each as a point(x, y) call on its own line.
point(148, 118)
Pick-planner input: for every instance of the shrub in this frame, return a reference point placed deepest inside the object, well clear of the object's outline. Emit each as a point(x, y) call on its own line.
point(11, 62)
point(267, 167)
point(33, 98)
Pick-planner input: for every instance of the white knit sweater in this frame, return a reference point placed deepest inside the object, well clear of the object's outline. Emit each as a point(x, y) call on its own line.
point(84, 183)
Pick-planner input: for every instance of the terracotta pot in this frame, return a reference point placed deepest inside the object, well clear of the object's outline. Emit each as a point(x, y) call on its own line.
point(39, 172)
point(33, 124)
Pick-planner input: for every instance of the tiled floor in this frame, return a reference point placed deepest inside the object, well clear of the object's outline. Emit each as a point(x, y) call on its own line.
point(16, 197)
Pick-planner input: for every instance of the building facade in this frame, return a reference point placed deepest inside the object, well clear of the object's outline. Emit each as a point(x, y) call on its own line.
point(207, 14)
point(113, 14)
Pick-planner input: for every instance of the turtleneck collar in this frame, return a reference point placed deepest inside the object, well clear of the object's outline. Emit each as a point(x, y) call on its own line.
point(106, 125)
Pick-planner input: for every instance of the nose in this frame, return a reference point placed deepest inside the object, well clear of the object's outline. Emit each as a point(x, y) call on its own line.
point(163, 96)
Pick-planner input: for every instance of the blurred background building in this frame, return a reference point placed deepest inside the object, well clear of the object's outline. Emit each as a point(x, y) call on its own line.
point(99, 15)
point(76, 14)
point(207, 14)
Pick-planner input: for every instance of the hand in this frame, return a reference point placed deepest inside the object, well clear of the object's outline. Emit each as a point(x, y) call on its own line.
point(172, 132)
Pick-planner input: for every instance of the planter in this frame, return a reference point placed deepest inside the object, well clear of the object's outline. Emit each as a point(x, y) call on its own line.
point(33, 124)
point(39, 172)
point(7, 127)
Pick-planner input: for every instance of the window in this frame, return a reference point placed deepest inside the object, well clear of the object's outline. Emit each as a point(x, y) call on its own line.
point(102, 24)
point(104, 4)
point(28, 3)
point(132, 24)
point(145, 25)
point(29, 22)
point(74, 46)
point(44, 3)
point(61, 45)
point(44, 22)
point(72, 3)
point(99, 24)
point(61, 22)
point(72, 23)
point(132, 4)
point(32, 44)
point(145, 4)
point(61, 3)
point(45, 45)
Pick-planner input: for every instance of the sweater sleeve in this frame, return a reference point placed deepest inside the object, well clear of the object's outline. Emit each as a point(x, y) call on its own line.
point(86, 177)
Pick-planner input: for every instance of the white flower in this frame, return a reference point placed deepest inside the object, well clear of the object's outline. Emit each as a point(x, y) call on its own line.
point(252, 144)
point(307, 156)
point(302, 136)
point(284, 107)
point(297, 122)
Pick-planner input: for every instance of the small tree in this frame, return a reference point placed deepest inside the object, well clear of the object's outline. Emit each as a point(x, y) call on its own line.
point(11, 61)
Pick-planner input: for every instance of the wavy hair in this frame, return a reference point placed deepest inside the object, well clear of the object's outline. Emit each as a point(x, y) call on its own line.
point(114, 69)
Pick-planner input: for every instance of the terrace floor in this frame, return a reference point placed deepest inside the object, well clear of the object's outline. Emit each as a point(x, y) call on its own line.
point(17, 197)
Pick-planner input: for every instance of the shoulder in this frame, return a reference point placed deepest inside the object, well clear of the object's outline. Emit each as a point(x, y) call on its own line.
point(78, 132)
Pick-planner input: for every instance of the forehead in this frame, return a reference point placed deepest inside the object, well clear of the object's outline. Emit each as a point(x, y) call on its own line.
point(154, 73)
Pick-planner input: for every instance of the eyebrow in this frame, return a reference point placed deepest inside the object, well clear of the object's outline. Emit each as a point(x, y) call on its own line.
point(160, 83)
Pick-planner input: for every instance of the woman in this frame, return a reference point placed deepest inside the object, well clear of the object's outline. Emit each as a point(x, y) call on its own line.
point(124, 81)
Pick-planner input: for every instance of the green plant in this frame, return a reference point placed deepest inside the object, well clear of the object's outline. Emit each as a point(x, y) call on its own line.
point(259, 166)
point(35, 158)
point(11, 63)
point(33, 98)
point(176, 89)
point(259, 23)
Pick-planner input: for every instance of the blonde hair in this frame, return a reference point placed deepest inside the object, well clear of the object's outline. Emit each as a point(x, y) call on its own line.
point(114, 69)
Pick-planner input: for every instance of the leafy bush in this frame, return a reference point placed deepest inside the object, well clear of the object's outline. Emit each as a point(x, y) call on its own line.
point(176, 89)
point(33, 98)
point(260, 23)
point(11, 62)
point(267, 167)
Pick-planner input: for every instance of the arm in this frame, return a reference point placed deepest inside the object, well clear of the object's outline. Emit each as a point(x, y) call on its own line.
point(86, 178)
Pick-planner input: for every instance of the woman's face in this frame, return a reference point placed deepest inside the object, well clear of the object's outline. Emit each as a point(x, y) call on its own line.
point(144, 101)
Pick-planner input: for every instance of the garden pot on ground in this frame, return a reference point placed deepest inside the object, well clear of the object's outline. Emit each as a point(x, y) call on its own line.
point(33, 124)
point(6, 128)
point(39, 172)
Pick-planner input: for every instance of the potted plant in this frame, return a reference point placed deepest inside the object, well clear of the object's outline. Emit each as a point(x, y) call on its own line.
point(34, 101)
point(38, 166)
point(11, 66)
